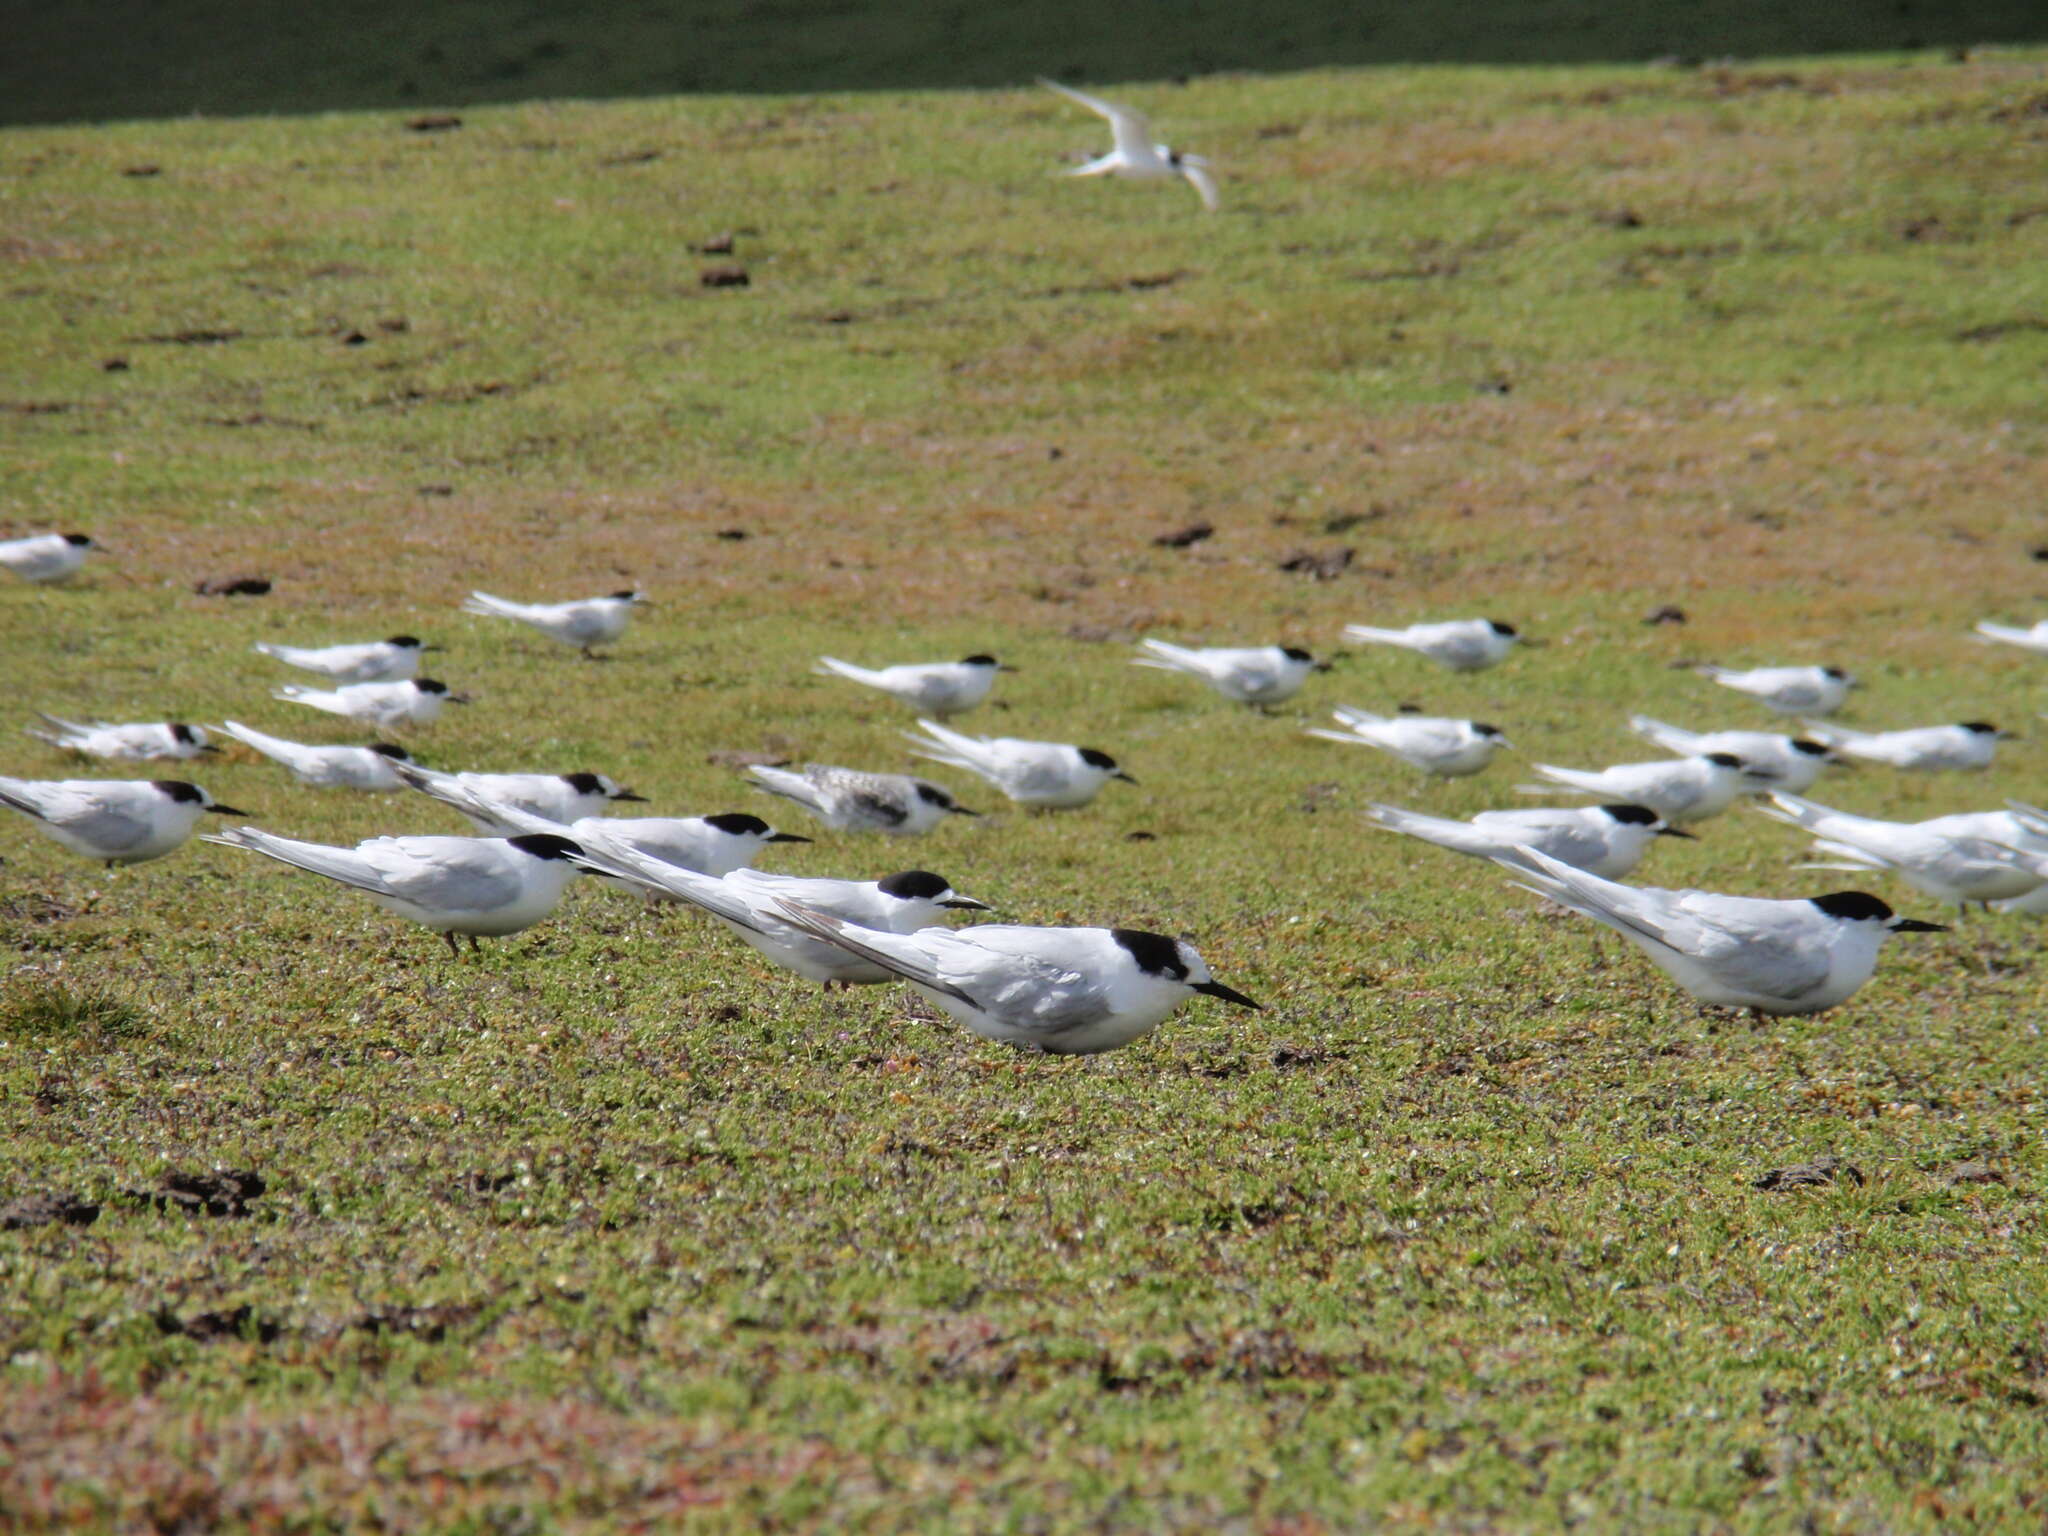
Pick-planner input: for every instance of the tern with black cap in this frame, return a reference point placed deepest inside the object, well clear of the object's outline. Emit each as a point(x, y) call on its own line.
point(583, 623)
point(1680, 789)
point(1255, 675)
point(938, 688)
point(115, 821)
point(1064, 991)
point(1463, 645)
point(559, 797)
point(139, 743)
point(1770, 957)
point(47, 556)
point(1441, 747)
point(368, 661)
point(371, 769)
point(1045, 775)
point(387, 706)
point(1604, 840)
point(847, 800)
point(481, 887)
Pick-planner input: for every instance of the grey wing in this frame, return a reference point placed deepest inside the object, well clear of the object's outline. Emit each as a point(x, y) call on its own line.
point(1029, 991)
point(103, 824)
point(1756, 956)
point(1035, 773)
point(466, 880)
point(1133, 134)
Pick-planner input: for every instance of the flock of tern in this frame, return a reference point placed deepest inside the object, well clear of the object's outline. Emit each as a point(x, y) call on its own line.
point(1066, 990)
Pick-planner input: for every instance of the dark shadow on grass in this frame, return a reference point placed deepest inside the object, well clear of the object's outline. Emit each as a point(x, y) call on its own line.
point(95, 60)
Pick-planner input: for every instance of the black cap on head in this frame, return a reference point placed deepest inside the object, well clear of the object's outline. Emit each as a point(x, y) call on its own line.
point(629, 594)
point(1156, 954)
point(1483, 729)
point(183, 733)
point(979, 659)
point(410, 642)
point(914, 885)
point(79, 540)
point(1981, 727)
point(1855, 906)
point(1725, 759)
point(1499, 628)
point(1633, 815)
point(546, 845)
point(739, 824)
point(429, 685)
point(584, 783)
point(1810, 748)
point(1295, 653)
point(396, 753)
point(1095, 759)
point(1836, 673)
point(180, 791)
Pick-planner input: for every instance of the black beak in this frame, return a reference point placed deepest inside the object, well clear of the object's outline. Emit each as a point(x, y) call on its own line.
point(960, 810)
point(1914, 925)
point(786, 837)
point(433, 648)
point(1004, 666)
point(1228, 994)
point(210, 747)
point(1323, 666)
point(1124, 776)
point(627, 794)
point(460, 698)
point(217, 809)
point(967, 904)
point(1678, 832)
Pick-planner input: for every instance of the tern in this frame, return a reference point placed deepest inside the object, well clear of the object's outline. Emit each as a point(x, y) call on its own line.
point(484, 887)
point(371, 769)
point(1682, 789)
point(559, 797)
point(846, 800)
point(1133, 153)
point(2033, 638)
point(1795, 760)
point(1928, 749)
point(1947, 863)
point(1064, 991)
point(1771, 957)
point(116, 821)
point(705, 845)
point(370, 661)
point(1259, 676)
point(385, 705)
point(938, 688)
point(592, 621)
point(1604, 840)
point(1463, 645)
point(1789, 690)
point(46, 556)
point(1447, 749)
point(1047, 775)
point(750, 903)
point(125, 743)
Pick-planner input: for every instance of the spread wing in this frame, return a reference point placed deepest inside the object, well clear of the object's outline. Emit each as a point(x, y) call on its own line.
point(1199, 178)
point(1131, 130)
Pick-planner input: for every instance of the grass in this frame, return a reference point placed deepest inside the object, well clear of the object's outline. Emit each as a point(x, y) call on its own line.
point(616, 1226)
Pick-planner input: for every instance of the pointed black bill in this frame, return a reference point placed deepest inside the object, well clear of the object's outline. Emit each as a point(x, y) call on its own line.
point(627, 794)
point(217, 809)
point(786, 837)
point(1914, 925)
point(1124, 776)
point(967, 904)
point(1678, 832)
point(1228, 994)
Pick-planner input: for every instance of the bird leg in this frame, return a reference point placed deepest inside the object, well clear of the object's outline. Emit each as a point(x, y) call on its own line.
point(454, 949)
point(475, 945)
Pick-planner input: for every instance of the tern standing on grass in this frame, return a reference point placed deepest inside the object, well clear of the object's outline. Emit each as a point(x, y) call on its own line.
point(46, 556)
point(1044, 775)
point(1063, 991)
point(1463, 645)
point(114, 821)
point(936, 688)
point(1770, 957)
point(585, 623)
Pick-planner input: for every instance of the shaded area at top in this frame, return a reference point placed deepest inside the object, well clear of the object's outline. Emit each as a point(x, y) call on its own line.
point(95, 60)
